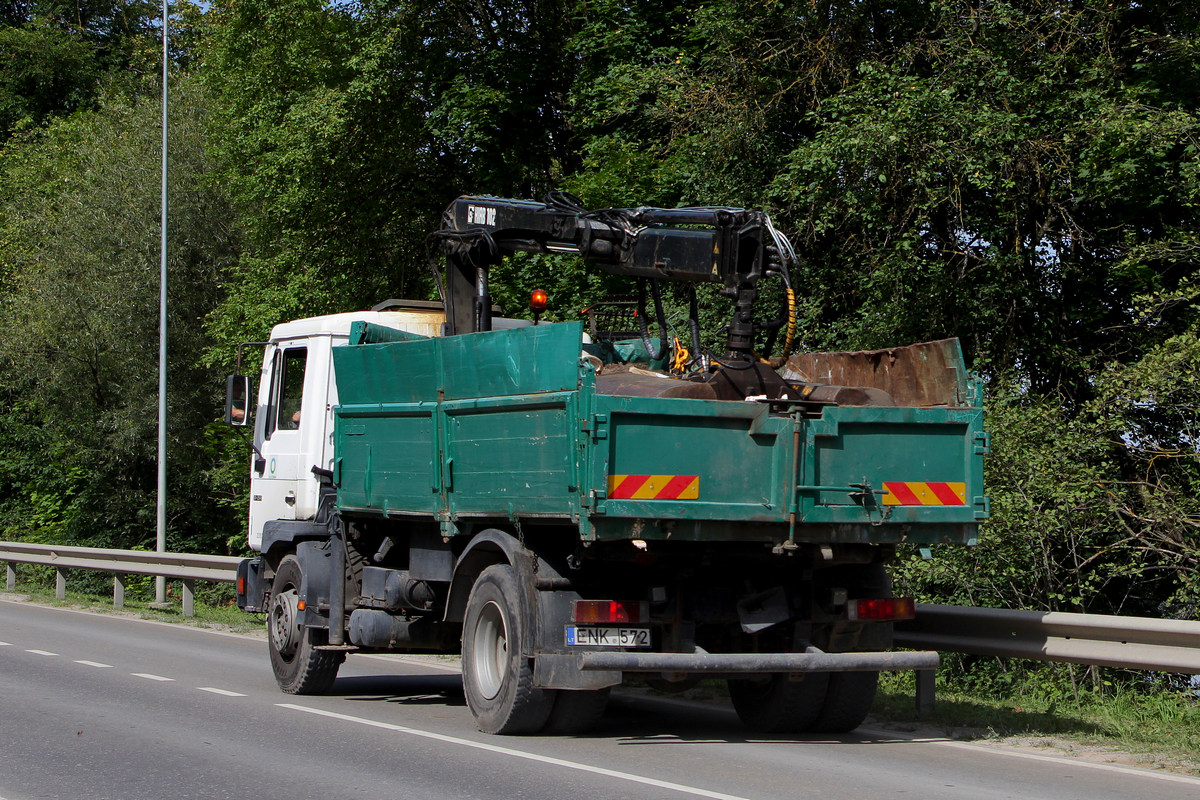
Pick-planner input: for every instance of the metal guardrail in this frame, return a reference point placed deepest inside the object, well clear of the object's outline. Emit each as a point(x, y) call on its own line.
point(1127, 642)
point(1163, 645)
point(186, 567)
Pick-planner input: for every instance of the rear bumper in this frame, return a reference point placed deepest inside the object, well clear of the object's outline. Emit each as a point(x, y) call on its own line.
point(597, 669)
point(758, 662)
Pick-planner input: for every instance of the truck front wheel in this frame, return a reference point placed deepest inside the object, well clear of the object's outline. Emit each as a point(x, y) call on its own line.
point(300, 668)
point(497, 675)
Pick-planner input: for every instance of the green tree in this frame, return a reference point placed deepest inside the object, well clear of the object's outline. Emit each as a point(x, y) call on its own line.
point(79, 329)
point(1022, 176)
point(349, 128)
point(57, 57)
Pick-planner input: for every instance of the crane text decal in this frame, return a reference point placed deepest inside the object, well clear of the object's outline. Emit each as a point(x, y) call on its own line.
point(481, 215)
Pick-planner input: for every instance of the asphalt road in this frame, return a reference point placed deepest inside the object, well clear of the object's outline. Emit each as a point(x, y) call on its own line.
point(98, 707)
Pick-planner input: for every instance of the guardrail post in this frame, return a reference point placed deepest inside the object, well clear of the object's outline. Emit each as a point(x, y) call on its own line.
point(60, 585)
point(118, 590)
point(10, 579)
point(926, 690)
point(189, 598)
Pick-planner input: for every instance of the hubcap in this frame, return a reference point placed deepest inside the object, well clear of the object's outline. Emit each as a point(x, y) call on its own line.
point(284, 623)
point(489, 643)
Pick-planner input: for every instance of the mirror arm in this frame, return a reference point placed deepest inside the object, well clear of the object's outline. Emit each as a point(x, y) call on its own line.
point(250, 442)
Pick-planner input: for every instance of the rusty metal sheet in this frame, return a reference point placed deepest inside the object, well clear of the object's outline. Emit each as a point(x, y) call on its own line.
point(929, 374)
point(626, 381)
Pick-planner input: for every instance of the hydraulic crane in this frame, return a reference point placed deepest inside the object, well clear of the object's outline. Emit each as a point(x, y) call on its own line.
point(734, 247)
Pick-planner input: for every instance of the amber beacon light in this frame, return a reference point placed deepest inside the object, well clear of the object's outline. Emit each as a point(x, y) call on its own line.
point(537, 303)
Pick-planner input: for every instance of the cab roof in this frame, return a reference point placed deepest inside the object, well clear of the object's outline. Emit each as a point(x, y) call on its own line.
point(426, 321)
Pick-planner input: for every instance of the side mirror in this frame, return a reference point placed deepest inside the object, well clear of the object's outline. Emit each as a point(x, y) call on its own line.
point(237, 397)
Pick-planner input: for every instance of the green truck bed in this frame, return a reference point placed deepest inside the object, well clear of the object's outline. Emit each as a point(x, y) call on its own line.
point(516, 425)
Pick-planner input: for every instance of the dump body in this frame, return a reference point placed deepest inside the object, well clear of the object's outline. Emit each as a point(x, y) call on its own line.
point(516, 425)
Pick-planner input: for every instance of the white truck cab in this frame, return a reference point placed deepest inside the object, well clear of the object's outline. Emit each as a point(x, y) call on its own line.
point(293, 424)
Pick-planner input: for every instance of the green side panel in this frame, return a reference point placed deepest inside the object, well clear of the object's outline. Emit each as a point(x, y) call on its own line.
point(396, 372)
point(479, 424)
point(736, 451)
point(362, 332)
point(387, 459)
point(540, 358)
point(852, 449)
point(515, 458)
point(756, 468)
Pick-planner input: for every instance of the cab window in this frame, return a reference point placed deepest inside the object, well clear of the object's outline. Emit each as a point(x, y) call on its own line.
point(290, 388)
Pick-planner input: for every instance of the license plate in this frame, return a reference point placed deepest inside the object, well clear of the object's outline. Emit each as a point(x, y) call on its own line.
point(608, 637)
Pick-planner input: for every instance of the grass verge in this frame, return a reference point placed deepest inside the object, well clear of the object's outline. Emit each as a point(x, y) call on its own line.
point(221, 616)
point(1157, 730)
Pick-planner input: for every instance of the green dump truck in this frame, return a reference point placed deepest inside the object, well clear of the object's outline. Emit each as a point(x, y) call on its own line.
point(571, 506)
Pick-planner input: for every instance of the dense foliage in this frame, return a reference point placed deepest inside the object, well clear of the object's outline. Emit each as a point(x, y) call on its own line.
point(1025, 176)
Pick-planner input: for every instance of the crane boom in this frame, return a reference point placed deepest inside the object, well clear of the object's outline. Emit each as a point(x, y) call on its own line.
point(734, 247)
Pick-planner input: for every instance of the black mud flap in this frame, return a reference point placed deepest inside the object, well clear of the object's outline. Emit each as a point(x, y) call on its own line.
point(251, 588)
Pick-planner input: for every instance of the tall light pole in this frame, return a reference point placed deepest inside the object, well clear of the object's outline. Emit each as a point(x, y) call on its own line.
point(160, 583)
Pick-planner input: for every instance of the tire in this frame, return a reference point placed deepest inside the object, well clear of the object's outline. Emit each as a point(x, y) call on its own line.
point(576, 711)
point(850, 695)
point(299, 667)
point(776, 704)
point(497, 670)
point(847, 701)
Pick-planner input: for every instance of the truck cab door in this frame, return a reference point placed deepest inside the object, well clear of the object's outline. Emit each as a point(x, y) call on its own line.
point(290, 422)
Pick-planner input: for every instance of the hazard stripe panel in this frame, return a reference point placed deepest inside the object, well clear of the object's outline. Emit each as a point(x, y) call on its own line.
point(653, 487)
point(912, 493)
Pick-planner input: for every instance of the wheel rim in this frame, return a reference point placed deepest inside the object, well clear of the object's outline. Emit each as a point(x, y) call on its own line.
point(284, 627)
point(489, 645)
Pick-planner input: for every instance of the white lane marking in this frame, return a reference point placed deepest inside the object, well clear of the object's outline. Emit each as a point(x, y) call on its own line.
point(95, 664)
point(41, 652)
point(507, 751)
point(5, 644)
point(1066, 761)
point(222, 692)
point(150, 677)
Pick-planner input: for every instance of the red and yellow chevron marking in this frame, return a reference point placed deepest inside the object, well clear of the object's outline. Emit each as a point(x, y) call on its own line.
point(912, 493)
point(653, 487)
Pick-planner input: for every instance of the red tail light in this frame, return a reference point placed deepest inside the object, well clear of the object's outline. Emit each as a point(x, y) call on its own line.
point(882, 608)
point(592, 612)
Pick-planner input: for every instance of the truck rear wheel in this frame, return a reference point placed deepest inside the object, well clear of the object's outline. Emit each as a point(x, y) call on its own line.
point(847, 701)
point(576, 711)
point(300, 668)
point(497, 673)
point(851, 694)
point(777, 704)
